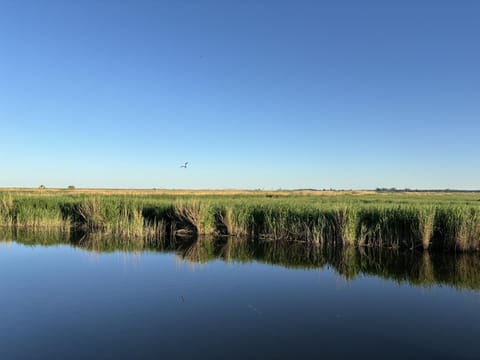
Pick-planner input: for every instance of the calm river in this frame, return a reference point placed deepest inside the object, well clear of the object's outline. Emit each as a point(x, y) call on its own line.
point(230, 299)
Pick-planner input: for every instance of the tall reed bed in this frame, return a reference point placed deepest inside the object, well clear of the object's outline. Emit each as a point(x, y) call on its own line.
point(436, 223)
point(32, 212)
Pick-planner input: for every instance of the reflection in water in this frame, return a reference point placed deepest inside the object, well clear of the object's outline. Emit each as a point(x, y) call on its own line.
point(419, 268)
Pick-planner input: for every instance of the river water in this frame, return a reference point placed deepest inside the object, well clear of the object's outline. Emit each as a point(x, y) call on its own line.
point(233, 299)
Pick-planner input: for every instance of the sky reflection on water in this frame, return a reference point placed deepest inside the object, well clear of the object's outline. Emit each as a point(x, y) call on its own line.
point(64, 301)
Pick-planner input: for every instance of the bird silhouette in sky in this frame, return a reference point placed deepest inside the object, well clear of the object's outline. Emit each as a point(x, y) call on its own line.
point(184, 165)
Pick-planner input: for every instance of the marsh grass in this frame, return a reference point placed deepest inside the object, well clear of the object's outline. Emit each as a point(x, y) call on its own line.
point(440, 222)
point(7, 210)
point(233, 220)
point(194, 216)
point(457, 228)
point(426, 222)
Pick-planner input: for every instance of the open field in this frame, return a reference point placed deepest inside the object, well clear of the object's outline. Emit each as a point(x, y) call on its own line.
point(87, 191)
point(438, 221)
point(256, 192)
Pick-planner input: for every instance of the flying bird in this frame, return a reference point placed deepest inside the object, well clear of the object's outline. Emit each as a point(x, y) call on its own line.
point(184, 165)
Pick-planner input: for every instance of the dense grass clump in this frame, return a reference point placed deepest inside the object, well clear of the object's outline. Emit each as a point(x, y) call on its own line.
point(400, 221)
point(458, 228)
point(6, 210)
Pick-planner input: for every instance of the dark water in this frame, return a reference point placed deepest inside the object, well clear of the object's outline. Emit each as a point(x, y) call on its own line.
point(233, 299)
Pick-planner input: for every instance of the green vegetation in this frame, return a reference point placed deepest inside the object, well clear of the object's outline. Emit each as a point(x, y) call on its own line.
point(388, 220)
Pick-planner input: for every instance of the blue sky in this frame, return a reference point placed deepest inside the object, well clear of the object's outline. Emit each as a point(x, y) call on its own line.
point(253, 93)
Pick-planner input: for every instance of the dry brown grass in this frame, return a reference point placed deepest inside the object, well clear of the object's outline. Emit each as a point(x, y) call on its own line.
point(186, 191)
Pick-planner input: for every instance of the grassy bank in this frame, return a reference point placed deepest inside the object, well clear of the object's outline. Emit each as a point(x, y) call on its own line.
point(415, 221)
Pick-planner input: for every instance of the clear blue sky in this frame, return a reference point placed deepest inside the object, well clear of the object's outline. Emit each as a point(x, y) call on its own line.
point(253, 93)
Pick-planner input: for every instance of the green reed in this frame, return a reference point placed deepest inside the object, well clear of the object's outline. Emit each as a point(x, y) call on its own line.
point(438, 222)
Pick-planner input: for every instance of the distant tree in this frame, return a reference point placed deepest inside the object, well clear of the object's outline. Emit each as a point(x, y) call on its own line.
point(71, 187)
point(42, 187)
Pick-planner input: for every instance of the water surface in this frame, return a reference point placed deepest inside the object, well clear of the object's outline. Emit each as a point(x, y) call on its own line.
point(229, 299)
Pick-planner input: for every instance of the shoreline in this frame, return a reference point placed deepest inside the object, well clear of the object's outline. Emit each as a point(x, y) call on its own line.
point(447, 222)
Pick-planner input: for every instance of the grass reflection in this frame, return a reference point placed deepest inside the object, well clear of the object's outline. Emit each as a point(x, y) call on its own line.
point(414, 267)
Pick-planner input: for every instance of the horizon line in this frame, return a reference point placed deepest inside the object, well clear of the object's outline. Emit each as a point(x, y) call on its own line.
point(376, 190)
